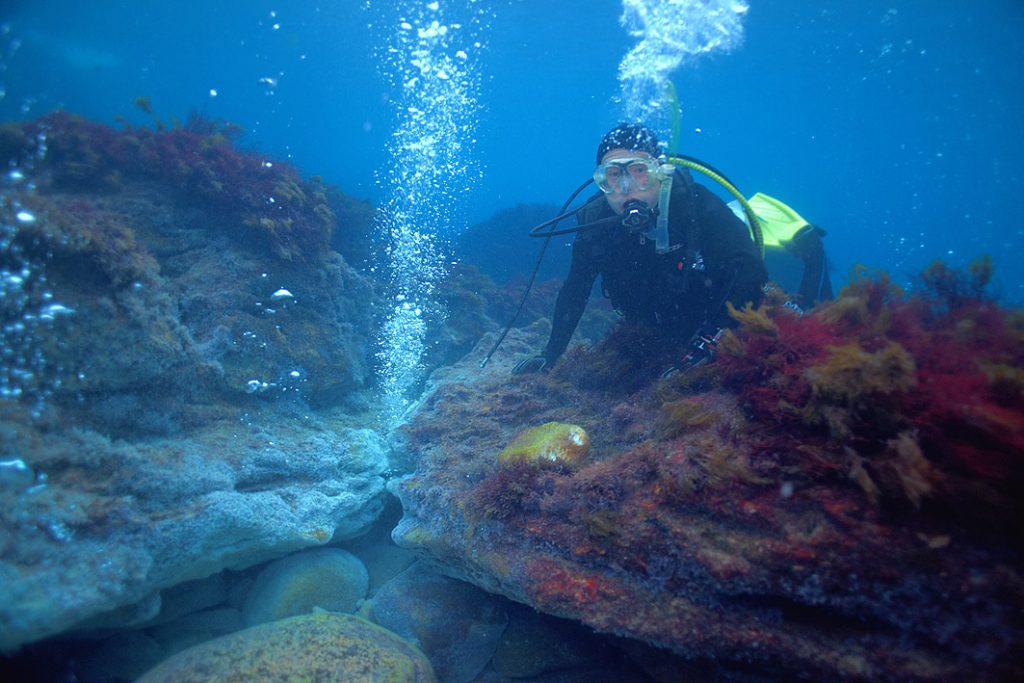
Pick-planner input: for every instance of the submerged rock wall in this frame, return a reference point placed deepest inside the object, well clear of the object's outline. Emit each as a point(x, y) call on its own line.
point(185, 362)
point(175, 298)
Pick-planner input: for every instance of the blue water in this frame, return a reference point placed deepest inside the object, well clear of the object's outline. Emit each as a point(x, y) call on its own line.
point(895, 126)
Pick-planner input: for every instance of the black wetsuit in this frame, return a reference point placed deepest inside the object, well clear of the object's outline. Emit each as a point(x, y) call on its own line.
point(677, 292)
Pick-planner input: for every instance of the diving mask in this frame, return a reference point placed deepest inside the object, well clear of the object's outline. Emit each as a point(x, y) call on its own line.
point(627, 174)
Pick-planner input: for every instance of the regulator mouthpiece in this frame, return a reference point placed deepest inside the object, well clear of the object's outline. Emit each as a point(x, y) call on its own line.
point(636, 215)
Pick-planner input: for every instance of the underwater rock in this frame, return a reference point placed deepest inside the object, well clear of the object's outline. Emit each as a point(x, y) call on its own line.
point(553, 443)
point(165, 415)
point(116, 523)
point(457, 625)
point(314, 647)
point(328, 578)
point(535, 644)
point(196, 628)
point(151, 307)
point(742, 548)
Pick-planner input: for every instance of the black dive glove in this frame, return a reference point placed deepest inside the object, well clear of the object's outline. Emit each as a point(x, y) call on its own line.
point(530, 365)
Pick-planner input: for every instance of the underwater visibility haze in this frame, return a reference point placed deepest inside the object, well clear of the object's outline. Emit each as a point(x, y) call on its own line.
point(262, 407)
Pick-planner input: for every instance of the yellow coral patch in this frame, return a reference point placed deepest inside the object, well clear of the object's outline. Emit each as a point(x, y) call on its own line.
point(553, 442)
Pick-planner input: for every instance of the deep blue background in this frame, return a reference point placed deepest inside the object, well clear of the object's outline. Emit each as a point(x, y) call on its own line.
point(896, 125)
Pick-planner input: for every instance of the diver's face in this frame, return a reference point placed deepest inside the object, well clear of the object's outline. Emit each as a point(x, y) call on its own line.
point(617, 197)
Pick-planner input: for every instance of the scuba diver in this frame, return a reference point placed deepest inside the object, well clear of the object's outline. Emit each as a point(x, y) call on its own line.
point(670, 254)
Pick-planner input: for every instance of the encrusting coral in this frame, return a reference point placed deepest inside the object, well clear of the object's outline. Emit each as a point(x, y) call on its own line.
point(556, 443)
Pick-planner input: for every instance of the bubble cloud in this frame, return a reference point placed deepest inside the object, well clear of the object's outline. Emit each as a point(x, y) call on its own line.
point(431, 63)
point(670, 32)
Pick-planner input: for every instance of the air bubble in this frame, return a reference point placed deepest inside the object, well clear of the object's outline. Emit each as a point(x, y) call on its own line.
point(437, 111)
point(671, 33)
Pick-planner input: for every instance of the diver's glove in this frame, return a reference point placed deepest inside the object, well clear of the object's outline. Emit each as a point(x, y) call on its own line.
point(530, 365)
point(702, 350)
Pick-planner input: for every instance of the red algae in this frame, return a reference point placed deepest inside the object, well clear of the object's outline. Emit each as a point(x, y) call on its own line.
point(200, 158)
point(878, 365)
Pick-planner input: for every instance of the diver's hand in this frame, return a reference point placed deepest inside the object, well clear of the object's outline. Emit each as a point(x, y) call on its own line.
point(691, 361)
point(702, 350)
point(530, 365)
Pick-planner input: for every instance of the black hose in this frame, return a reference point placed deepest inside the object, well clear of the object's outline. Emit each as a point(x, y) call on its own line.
point(562, 215)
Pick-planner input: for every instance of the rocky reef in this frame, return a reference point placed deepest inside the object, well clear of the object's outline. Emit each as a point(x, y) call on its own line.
point(185, 366)
point(178, 262)
point(186, 398)
point(837, 496)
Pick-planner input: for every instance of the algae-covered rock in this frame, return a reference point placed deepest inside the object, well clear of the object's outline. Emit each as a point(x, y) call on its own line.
point(329, 578)
point(552, 442)
point(181, 375)
point(748, 545)
point(166, 308)
point(319, 647)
